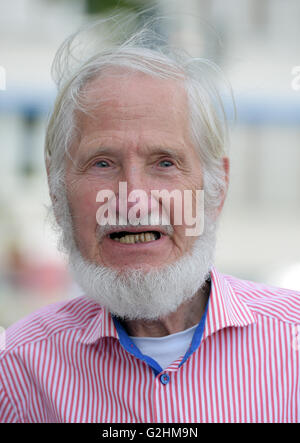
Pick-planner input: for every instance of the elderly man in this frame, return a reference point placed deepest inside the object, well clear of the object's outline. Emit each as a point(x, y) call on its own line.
point(160, 335)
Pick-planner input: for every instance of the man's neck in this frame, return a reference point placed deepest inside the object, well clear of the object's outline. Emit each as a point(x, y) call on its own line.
point(187, 315)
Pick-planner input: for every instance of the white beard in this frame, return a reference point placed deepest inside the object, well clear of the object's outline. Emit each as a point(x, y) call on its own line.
point(135, 294)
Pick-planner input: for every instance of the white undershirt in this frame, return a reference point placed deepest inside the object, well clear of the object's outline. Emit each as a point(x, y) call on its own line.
point(166, 349)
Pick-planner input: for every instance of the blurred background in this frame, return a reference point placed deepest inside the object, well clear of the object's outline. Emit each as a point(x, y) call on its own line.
point(255, 42)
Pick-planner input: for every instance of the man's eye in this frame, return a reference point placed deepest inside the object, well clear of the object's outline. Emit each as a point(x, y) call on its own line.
point(102, 164)
point(165, 163)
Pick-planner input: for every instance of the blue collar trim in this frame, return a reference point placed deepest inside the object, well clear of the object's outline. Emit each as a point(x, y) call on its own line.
point(130, 347)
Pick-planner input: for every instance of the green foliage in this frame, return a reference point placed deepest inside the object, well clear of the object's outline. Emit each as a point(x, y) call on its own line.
point(104, 6)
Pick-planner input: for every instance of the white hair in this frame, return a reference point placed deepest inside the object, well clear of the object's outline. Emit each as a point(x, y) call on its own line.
point(81, 58)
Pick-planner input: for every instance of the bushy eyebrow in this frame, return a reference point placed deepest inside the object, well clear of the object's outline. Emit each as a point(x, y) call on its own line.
point(94, 152)
point(176, 153)
point(173, 153)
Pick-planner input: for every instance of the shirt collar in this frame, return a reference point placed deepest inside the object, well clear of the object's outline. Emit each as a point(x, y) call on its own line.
point(100, 326)
point(225, 309)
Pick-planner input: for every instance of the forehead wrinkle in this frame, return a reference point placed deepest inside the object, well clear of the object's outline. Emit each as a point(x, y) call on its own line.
point(139, 113)
point(145, 139)
point(115, 92)
point(114, 109)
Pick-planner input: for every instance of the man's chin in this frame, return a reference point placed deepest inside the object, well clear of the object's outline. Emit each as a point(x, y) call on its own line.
point(132, 268)
point(144, 292)
point(120, 268)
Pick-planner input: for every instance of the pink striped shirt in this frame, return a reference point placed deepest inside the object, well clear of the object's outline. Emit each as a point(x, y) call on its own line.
point(70, 363)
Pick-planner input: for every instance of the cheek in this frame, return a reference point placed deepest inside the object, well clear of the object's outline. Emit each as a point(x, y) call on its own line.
point(83, 205)
point(189, 197)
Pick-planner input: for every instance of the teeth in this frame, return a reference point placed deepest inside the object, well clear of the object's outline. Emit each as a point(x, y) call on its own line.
point(136, 238)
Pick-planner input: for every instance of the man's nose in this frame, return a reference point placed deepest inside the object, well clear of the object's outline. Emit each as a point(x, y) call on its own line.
point(133, 189)
point(134, 176)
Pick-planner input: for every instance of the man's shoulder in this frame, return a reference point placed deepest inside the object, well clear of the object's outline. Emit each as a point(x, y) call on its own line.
point(51, 320)
point(272, 301)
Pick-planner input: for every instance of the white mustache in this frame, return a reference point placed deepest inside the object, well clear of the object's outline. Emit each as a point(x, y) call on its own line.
point(103, 230)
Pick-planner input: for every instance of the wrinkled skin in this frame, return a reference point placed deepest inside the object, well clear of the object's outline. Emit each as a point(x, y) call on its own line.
point(134, 127)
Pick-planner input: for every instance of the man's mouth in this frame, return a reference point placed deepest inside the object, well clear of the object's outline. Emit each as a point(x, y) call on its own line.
point(135, 237)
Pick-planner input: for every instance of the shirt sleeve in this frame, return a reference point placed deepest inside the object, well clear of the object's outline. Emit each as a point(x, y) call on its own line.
point(7, 411)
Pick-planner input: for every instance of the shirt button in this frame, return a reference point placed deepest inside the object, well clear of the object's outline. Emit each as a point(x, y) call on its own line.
point(164, 378)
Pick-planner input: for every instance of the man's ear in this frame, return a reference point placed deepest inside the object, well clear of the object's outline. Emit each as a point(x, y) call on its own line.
point(226, 169)
point(52, 196)
point(47, 163)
